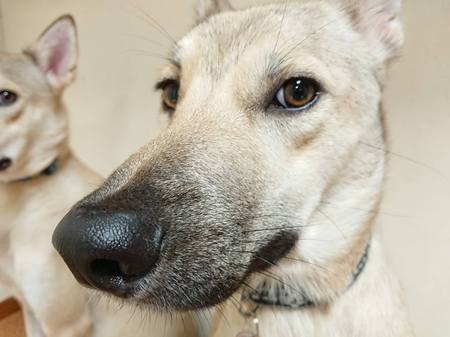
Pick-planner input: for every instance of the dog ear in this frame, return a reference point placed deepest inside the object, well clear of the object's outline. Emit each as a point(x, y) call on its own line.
point(56, 52)
point(379, 22)
point(207, 8)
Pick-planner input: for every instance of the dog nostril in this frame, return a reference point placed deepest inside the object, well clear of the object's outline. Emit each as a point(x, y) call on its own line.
point(103, 268)
point(5, 163)
point(106, 268)
point(108, 251)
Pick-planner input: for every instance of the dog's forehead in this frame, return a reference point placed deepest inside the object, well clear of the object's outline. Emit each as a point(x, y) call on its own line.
point(257, 30)
point(18, 72)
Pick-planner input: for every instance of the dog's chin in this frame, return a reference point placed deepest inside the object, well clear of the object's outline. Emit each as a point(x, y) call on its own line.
point(22, 167)
point(12, 175)
point(170, 295)
point(198, 300)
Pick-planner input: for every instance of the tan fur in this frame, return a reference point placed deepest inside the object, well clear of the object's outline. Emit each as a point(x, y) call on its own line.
point(233, 175)
point(33, 132)
point(373, 306)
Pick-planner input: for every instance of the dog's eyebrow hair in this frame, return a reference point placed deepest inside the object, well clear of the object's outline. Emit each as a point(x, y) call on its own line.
point(175, 63)
point(276, 67)
point(160, 84)
point(274, 64)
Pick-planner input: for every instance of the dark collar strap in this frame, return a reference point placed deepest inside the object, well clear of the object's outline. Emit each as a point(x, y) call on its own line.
point(51, 169)
point(278, 295)
point(361, 265)
point(48, 171)
point(281, 295)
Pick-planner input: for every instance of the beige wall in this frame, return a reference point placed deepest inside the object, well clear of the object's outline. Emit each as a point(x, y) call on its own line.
point(114, 110)
point(2, 42)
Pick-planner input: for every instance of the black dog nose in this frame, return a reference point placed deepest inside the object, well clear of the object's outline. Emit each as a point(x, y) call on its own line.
point(108, 251)
point(5, 163)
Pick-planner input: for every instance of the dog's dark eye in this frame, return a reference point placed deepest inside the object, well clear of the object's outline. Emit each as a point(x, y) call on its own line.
point(7, 98)
point(170, 94)
point(297, 94)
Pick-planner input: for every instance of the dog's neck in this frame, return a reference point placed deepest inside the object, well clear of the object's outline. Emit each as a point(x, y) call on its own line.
point(279, 294)
point(15, 197)
point(48, 171)
point(373, 297)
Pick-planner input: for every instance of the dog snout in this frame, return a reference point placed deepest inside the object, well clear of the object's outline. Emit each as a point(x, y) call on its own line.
point(107, 251)
point(5, 163)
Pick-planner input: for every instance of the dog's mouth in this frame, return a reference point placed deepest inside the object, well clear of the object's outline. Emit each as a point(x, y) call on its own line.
point(277, 248)
point(186, 293)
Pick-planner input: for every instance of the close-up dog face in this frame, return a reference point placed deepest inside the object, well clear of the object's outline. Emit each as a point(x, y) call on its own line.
point(33, 122)
point(271, 133)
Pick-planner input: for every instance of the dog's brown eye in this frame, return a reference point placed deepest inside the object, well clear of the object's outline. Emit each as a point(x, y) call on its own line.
point(298, 93)
point(7, 98)
point(170, 94)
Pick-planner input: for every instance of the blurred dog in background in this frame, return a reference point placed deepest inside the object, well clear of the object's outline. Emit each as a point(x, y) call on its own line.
point(261, 194)
point(40, 179)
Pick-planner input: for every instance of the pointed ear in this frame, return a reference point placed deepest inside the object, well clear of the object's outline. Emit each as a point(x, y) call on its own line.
point(207, 8)
point(379, 22)
point(56, 52)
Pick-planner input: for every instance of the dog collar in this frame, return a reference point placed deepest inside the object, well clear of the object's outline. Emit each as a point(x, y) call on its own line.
point(48, 171)
point(278, 295)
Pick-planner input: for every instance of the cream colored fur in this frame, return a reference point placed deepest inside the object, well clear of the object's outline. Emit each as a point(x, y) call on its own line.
point(33, 132)
point(317, 171)
point(371, 307)
point(338, 164)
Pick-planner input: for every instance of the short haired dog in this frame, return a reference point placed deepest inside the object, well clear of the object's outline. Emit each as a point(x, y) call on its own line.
point(259, 196)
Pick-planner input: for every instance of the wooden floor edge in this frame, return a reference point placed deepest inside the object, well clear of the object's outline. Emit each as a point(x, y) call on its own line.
point(8, 307)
